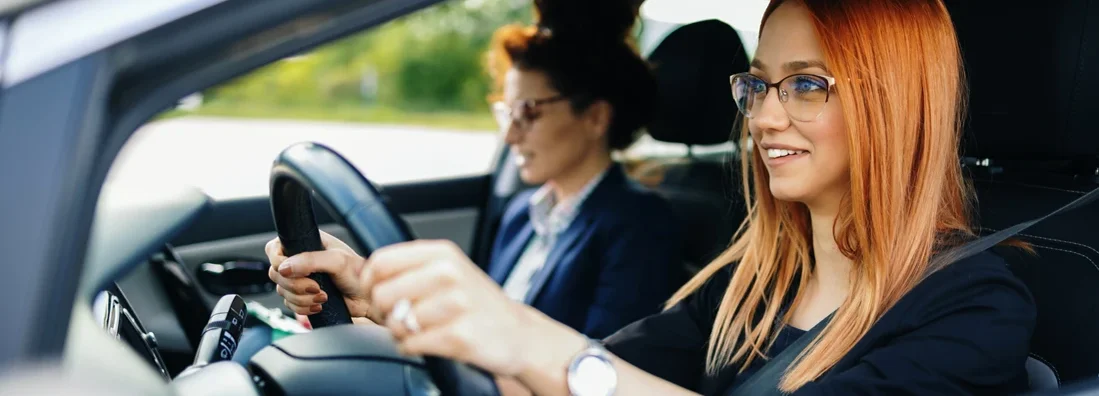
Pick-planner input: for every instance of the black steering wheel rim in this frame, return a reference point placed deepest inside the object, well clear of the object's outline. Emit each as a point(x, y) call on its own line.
point(308, 169)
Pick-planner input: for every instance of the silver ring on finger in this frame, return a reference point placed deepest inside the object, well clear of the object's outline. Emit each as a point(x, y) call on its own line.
point(402, 313)
point(411, 323)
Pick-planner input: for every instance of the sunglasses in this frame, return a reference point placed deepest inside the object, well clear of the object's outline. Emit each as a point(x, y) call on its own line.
point(521, 114)
point(803, 96)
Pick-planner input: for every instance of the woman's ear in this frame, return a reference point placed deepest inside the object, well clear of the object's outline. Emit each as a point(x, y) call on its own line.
point(598, 118)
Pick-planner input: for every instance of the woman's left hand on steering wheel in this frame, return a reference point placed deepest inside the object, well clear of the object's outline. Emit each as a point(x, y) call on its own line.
point(452, 309)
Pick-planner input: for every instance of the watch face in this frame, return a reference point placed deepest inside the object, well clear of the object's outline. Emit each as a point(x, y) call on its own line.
point(593, 376)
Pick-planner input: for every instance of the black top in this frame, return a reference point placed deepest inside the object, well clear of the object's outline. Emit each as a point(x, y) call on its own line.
point(965, 329)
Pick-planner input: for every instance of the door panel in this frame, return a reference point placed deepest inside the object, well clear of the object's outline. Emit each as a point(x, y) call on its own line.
point(243, 248)
point(249, 216)
point(458, 225)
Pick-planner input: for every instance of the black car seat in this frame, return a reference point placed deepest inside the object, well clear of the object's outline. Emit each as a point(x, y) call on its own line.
point(692, 66)
point(1032, 145)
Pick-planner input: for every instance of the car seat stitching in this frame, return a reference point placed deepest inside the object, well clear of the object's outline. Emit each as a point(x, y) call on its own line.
point(1056, 375)
point(1050, 239)
point(1067, 242)
point(1093, 264)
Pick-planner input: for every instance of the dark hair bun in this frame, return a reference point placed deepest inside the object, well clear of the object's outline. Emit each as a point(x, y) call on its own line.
point(582, 47)
point(587, 19)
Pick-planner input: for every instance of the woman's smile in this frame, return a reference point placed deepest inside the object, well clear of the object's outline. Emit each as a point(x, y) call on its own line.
point(776, 154)
point(777, 157)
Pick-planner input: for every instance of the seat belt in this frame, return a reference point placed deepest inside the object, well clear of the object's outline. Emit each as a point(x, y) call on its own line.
point(765, 381)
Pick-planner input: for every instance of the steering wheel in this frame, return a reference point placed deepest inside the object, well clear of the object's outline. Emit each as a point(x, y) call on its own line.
point(309, 168)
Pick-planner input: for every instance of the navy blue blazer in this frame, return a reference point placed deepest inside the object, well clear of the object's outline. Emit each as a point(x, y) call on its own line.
point(618, 261)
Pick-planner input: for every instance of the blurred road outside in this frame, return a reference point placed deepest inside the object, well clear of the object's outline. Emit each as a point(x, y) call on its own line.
point(231, 158)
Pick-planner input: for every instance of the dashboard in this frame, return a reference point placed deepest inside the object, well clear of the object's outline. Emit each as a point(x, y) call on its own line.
point(120, 321)
point(130, 228)
point(133, 281)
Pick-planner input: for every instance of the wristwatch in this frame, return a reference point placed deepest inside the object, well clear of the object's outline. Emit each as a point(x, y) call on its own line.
point(591, 372)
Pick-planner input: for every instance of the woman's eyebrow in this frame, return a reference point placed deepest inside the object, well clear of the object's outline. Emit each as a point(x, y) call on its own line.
point(793, 66)
point(799, 65)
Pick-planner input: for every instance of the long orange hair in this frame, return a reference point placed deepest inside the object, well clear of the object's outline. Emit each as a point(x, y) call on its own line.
point(901, 86)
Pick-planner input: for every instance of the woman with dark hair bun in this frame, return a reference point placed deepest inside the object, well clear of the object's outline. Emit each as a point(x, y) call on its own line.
point(580, 247)
point(581, 50)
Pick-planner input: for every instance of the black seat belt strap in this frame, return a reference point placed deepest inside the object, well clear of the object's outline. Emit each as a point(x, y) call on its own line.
point(765, 381)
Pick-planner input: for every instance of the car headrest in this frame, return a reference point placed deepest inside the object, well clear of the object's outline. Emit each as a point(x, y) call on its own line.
point(1033, 74)
point(692, 67)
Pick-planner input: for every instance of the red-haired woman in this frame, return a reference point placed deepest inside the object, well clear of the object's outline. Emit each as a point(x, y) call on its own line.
point(854, 111)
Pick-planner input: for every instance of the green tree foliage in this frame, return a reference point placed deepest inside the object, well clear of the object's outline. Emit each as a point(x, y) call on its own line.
point(431, 60)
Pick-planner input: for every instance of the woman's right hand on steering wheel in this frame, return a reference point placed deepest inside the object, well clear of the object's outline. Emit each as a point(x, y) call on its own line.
point(303, 295)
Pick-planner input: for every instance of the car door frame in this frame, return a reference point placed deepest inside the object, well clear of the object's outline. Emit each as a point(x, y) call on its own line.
point(61, 128)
